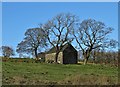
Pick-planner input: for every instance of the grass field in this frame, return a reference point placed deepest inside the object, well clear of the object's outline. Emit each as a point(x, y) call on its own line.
point(22, 73)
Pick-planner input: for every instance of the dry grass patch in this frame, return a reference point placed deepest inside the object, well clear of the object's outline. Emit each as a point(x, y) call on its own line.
point(90, 80)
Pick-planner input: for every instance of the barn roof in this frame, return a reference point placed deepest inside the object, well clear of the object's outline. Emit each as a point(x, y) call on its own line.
point(42, 54)
point(52, 50)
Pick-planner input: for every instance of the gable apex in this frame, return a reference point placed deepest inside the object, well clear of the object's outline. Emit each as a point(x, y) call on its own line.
point(52, 50)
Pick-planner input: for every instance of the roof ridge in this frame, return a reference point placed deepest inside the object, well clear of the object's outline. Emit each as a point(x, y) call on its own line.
point(52, 50)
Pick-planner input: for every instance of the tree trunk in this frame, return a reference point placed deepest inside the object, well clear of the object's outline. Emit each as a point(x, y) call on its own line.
point(36, 55)
point(56, 56)
point(57, 53)
point(85, 61)
point(94, 58)
point(86, 56)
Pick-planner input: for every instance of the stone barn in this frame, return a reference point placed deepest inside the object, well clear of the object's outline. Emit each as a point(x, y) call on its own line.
point(68, 55)
point(41, 56)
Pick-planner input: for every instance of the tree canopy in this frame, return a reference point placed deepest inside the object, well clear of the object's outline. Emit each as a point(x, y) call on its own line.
point(59, 30)
point(91, 34)
point(7, 51)
point(34, 38)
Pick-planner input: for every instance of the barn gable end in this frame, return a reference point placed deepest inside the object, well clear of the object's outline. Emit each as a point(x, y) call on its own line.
point(70, 55)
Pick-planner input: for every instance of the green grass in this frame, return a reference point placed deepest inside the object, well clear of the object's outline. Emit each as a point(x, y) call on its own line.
point(42, 73)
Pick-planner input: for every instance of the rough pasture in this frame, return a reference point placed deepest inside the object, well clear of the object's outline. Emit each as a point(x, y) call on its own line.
point(31, 73)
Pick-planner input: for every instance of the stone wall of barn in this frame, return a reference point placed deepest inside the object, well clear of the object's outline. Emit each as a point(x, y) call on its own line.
point(51, 56)
point(60, 58)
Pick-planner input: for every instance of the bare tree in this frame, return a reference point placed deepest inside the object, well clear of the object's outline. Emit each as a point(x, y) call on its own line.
point(91, 34)
point(34, 38)
point(7, 51)
point(59, 31)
